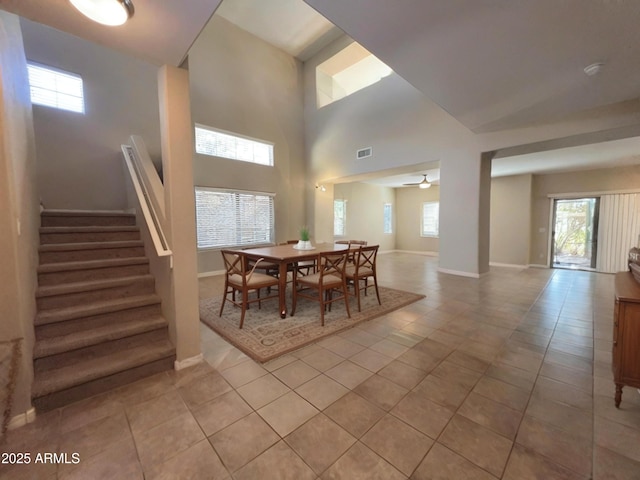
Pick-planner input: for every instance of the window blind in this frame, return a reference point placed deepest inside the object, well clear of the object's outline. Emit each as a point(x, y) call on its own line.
point(233, 218)
point(339, 217)
point(430, 219)
point(54, 88)
point(388, 218)
point(226, 145)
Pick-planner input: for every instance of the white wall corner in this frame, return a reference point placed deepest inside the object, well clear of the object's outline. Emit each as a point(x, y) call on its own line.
point(188, 362)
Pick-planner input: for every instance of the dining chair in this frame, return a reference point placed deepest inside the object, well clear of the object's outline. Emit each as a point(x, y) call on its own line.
point(240, 279)
point(363, 268)
point(321, 285)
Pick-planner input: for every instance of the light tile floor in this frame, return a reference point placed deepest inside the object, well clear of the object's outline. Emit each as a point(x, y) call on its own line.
point(505, 377)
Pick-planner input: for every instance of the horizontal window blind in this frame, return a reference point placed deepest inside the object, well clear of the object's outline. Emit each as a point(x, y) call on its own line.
point(226, 145)
point(430, 219)
point(54, 88)
point(228, 219)
point(339, 218)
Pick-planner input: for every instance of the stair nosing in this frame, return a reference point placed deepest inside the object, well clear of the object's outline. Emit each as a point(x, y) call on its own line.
point(56, 315)
point(45, 291)
point(88, 229)
point(72, 246)
point(98, 367)
point(91, 264)
point(49, 346)
point(53, 212)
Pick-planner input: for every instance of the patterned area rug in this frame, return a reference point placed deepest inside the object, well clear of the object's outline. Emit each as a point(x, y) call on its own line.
point(266, 336)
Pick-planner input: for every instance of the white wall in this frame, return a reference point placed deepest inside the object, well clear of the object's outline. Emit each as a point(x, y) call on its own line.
point(511, 219)
point(243, 85)
point(19, 213)
point(79, 157)
point(365, 219)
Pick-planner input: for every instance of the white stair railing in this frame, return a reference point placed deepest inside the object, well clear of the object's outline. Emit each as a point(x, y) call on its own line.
point(137, 164)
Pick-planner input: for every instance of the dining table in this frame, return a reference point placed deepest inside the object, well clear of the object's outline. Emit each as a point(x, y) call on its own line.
point(285, 255)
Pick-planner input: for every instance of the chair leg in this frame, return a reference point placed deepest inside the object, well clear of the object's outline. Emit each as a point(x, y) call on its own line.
point(345, 294)
point(375, 284)
point(356, 286)
point(323, 305)
point(224, 297)
point(294, 299)
point(245, 297)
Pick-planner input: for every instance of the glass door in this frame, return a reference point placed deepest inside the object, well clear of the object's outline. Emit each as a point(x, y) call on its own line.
point(575, 233)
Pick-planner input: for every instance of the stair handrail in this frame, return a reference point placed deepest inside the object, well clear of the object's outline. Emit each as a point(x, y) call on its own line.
point(149, 213)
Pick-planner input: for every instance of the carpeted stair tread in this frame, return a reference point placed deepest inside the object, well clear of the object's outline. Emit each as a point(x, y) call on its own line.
point(66, 288)
point(94, 308)
point(52, 212)
point(91, 264)
point(89, 229)
point(56, 380)
point(63, 247)
point(84, 338)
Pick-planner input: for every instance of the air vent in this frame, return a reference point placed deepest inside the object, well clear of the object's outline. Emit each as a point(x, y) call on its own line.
point(364, 152)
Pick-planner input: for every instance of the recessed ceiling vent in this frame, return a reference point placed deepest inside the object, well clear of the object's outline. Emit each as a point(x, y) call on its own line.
point(364, 152)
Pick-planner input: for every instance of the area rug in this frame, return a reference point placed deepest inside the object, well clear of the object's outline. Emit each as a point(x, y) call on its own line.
point(266, 336)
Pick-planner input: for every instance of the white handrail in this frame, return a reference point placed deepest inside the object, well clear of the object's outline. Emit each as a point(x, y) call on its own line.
point(146, 205)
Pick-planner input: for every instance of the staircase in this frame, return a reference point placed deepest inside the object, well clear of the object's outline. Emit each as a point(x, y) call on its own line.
point(99, 324)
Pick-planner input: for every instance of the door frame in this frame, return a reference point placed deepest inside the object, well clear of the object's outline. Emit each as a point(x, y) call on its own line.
point(595, 223)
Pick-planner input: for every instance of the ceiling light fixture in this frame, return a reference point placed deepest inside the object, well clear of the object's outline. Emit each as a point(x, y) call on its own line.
point(424, 183)
point(322, 188)
point(593, 69)
point(106, 12)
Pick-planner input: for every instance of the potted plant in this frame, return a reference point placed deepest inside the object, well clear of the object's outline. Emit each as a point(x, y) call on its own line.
point(304, 243)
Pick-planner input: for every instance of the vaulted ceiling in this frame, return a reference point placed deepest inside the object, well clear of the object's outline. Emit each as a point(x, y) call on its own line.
point(492, 64)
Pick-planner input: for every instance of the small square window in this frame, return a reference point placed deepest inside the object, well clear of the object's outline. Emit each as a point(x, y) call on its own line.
point(55, 88)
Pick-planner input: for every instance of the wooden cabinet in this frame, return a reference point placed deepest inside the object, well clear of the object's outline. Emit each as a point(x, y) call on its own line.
point(626, 334)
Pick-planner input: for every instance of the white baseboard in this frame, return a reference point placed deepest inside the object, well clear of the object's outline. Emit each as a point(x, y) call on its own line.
point(537, 265)
point(461, 273)
point(507, 265)
point(22, 419)
point(188, 362)
point(419, 252)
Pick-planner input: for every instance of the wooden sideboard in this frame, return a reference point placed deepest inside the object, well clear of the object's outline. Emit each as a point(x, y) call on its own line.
point(626, 334)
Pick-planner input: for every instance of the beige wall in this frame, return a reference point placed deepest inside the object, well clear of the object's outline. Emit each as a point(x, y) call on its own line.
point(409, 218)
point(243, 85)
point(19, 214)
point(365, 205)
point(580, 182)
point(511, 219)
point(79, 157)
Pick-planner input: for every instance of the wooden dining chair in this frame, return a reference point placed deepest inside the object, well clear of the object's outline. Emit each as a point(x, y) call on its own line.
point(363, 268)
point(321, 285)
point(240, 279)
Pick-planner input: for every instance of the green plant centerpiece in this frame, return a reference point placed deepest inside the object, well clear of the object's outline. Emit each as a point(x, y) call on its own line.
point(304, 243)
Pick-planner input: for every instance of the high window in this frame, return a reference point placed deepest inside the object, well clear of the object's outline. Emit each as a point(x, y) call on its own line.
point(430, 219)
point(55, 88)
point(230, 145)
point(227, 218)
point(339, 218)
point(387, 218)
point(348, 71)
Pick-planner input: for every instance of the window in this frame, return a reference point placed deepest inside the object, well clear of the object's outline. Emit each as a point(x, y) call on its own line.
point(339, 218)
point(226, 218)
point(430, 219)
point(55, 88)
point(351, 69)
point(228, 145)
point(387, 218)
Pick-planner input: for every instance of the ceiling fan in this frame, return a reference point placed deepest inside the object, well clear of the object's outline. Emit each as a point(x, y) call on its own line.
point(423, 184)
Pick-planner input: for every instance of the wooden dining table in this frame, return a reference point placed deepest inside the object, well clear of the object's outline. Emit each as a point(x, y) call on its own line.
point(285, 255)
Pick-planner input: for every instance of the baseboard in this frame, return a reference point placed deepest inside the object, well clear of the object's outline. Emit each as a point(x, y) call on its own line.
point(419, 252)
point(188, 362)
point(211, 274)
point(22, 419)
point(537, 265)
point(507, 265)
point(461, 273)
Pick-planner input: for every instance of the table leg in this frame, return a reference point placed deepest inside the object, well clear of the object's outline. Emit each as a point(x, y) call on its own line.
point(282, 287)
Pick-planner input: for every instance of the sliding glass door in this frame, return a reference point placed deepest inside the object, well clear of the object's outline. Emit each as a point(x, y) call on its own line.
point(575, 233)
